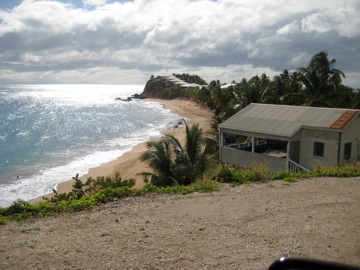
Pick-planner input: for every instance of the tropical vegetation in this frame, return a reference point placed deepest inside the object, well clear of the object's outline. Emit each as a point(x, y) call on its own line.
point(107, 191)
point(174, 163)
point(190, 78)
point(191, 166)
point(319, 84)
point(94, 192)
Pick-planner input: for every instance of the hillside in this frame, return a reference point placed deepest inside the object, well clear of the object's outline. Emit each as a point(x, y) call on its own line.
point(246, 227)
point(171, 86)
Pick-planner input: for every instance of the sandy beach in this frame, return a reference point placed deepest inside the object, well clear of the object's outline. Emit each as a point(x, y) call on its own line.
point(129, 164)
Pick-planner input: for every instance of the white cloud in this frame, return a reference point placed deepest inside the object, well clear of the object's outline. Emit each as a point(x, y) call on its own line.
point(300, 59)
point(317, 23)
point(290, 28)
point(343, 20)
point(217, 39)
point(94, 2)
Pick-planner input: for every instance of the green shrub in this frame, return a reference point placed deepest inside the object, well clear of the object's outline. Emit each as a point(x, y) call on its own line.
point(78, 188)
point(343, 170)
point(62, 206)
point(256, 174)
point(206, 185)
point(289, 179)
point(109, 194)
point(3, 220)
point(85, 202)
point(228, 174)
point(94, 185)
point(46, 207)
point(73, 201)
point(150, 187)
point(23, 216)
point(280, 175)
point(21, 207)
point(58, 197)
point(175, 189)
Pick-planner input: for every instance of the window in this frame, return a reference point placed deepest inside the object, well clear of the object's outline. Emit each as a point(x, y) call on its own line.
point(347, 151)
point(318, 149)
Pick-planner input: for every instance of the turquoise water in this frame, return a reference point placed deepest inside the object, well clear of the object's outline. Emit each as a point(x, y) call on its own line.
point(49, 133)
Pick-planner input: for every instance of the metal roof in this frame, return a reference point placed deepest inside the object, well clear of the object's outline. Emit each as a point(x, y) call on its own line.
point(285, 120)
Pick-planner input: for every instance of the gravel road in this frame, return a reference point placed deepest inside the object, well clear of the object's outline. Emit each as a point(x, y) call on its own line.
point(246, 227)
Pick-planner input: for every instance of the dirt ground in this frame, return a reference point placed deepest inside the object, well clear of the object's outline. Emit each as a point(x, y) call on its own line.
point(246, 227)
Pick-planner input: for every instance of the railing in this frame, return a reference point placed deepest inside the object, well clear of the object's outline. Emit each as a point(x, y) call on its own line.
point(248, 159)
point(260, 146)
point(295, 167)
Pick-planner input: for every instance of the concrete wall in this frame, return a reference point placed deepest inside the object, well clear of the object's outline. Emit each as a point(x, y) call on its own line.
point(330, 140)
point(351, 134)
point(302, 146)
point(249, 159)
point(295, 151)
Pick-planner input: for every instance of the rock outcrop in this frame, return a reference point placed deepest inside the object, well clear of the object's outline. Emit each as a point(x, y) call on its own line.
point(168, 86)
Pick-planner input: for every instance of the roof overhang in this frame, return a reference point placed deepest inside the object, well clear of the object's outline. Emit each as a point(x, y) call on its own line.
point(255, 134)
point(284, 122)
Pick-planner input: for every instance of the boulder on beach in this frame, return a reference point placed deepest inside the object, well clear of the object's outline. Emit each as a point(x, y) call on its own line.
point(124, 99)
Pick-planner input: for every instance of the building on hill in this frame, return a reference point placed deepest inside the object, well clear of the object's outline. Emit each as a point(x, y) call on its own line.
point(290, 137)
point(177, 81)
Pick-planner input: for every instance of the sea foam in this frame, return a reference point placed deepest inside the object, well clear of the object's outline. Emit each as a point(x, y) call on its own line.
point(49, 133)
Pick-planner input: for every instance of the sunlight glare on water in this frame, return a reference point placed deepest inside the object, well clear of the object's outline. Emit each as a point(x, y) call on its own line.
point(49, 133)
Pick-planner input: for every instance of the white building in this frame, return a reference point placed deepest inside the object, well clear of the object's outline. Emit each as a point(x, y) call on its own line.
point(291, 137)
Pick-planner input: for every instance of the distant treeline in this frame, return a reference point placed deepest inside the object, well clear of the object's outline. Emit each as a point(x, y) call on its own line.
point(318, 84)
point(190, 78)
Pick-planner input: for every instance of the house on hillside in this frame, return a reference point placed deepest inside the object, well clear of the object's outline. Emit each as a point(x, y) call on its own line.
point(177, 81)
point(290, 137)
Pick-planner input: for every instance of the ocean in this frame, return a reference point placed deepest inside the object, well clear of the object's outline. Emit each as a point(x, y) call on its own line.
point(50, 133)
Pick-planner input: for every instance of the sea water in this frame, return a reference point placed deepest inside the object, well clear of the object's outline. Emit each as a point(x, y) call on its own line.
point(50, 133)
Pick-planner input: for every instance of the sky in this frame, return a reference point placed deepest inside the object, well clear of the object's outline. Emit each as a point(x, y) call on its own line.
point(125, 42)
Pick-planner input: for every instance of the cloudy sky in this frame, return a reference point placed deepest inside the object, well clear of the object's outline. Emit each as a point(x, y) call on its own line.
point(125, 42)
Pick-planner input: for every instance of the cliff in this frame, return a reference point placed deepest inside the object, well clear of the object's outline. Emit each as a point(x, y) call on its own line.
point(170, 86)
point(158, 87)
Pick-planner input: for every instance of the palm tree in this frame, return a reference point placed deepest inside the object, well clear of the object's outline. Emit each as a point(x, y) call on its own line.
point(204, 97)
point(355, 100)
point(192, 159)
point(176, 163)
point(212, 136)
point(251, 90)
point(294, 95)
point(343, 97)
point(284, 89)
point(320, 80)
point(160, 158)
point(216, 95)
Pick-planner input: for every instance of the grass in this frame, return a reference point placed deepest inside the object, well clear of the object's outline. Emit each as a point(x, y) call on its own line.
point(3, 220)
point(237, 176)
point(102, 190)
point(92, 193)
point(343, 170)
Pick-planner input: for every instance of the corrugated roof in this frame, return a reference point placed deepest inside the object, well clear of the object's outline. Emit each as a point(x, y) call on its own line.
point(285, 121)
point(343, 120)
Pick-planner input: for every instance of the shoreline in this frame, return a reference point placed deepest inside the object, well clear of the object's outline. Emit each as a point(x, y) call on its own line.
point(129, 165)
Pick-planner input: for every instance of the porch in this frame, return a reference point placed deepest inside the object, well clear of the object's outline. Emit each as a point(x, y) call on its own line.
point(274, 154)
